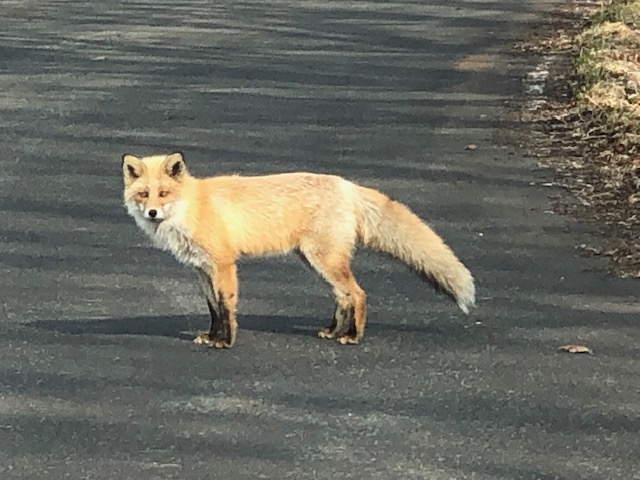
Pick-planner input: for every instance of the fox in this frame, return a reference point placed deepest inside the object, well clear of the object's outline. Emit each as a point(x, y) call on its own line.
point(209, 223)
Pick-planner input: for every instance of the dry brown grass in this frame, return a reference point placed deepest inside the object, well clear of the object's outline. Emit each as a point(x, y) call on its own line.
point(592, 125)
point(608, 69)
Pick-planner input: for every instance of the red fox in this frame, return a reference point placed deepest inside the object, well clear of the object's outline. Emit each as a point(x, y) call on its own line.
point(208, 223)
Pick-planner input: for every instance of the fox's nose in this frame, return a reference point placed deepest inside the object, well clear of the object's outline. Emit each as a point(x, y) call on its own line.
point(153, 213)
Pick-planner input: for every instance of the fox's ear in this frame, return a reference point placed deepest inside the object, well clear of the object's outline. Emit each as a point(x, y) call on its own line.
point(131, 168)
point(175, 166)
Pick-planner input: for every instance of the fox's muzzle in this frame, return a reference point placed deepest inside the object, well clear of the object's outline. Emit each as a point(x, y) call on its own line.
point(154, 214)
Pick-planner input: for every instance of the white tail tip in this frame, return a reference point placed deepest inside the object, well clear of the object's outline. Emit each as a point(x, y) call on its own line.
point(467, 299)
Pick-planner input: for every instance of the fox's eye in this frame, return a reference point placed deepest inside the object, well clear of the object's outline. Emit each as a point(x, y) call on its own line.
point(143, 194)
point(164, 193)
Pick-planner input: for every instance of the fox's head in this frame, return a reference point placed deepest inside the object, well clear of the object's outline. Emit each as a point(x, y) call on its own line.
point(152, 185)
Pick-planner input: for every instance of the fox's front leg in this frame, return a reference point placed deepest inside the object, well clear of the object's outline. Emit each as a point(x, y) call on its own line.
point(206, 283)
point(221, 290)
point(225, 284)
point(341, 319)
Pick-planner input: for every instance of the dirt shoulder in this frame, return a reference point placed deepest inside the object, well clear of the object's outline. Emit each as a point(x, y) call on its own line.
point(585, 110)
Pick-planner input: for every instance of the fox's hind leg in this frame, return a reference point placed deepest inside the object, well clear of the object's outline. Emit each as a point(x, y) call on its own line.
point(350, 298)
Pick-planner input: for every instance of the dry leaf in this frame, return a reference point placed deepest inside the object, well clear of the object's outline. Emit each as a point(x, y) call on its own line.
point(574, 348)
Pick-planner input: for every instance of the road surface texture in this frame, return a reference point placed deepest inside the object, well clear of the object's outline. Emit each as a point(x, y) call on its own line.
point(98, 377)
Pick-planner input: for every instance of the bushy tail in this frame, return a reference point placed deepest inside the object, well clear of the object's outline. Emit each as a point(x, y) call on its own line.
point(391, 227)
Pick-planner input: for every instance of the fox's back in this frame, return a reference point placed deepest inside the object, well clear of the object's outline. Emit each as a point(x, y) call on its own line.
point(272, 192)
point(274, 213)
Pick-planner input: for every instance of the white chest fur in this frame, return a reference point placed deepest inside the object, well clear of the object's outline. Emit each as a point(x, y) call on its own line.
point(171, 235)
point(176, 240)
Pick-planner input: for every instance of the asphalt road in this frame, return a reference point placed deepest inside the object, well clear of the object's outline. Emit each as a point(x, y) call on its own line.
point(98, 378)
